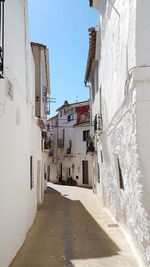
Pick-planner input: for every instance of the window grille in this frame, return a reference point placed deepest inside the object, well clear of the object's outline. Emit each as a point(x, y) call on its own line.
point(86, 135)
point(98, 123)
point(70, 117)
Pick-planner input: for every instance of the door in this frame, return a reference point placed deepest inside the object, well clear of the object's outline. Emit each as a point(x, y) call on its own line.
point(85, 173)
point(48, 174)
point(38, 182)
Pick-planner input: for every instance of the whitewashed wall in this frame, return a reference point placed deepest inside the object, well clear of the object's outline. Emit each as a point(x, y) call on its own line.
point(78, 150)
point(80, 154)
point(19, 137)
point(124, 73)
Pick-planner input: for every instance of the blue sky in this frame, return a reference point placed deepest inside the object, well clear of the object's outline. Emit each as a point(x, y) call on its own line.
point(63, 25)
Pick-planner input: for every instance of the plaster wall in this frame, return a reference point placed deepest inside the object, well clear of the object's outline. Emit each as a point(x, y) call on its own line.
point(124, 79)
point(81, 155)
point(117, 55)
point(53, 172)
point(73, 133)
point(19, 136)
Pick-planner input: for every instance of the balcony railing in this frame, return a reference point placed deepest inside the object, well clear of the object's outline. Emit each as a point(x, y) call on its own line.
point(98, 124)
point(2, 38)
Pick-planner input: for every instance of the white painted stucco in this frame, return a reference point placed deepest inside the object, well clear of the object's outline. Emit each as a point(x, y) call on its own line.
point(81, 155)
point(74, 133)
point(124, 79)
point(20, 137)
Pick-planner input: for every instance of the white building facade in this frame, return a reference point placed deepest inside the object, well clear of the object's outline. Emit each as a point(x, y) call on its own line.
point(20, 137)
point(70, 129)
point(118, 73)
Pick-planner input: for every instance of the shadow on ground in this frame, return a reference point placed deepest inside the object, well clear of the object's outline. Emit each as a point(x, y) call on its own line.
point(63, 231)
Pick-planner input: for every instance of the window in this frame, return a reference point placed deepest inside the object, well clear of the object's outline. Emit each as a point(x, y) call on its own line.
point(102, 156)
point(61, 113)
point(98, 125)
point(86, 135)
point(118, 172)
point(120, 176)
point(31, 172)
point(70, 117)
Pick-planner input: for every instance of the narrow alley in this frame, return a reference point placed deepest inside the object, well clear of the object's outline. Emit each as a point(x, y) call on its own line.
point(72, 230)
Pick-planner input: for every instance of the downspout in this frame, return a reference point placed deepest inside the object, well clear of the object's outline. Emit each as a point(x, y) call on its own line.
point(89, 86)
point(92, 155)
point(114, 8)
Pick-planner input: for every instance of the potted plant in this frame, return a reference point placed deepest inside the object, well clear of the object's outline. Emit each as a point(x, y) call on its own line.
point(90, 144)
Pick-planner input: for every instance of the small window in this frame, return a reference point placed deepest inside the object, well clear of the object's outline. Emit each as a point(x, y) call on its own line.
point(86, 135)
point(102, 156)
point(70, 117)
point(120, 176)
point(31, 172)
point(118, 172)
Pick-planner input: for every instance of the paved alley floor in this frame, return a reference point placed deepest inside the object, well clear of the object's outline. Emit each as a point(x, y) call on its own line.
point(72, 230)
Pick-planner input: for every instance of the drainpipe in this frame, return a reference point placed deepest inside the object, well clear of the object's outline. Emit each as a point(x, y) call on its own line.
point(92, 155)
point(114, 8)
point(89, 86)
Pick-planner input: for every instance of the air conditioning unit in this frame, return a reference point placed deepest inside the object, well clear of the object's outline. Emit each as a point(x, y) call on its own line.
point(98, 123)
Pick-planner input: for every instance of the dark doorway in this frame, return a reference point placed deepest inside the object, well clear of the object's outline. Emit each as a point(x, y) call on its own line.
point(61, 170)
point(48, 174)
point(85, 172)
